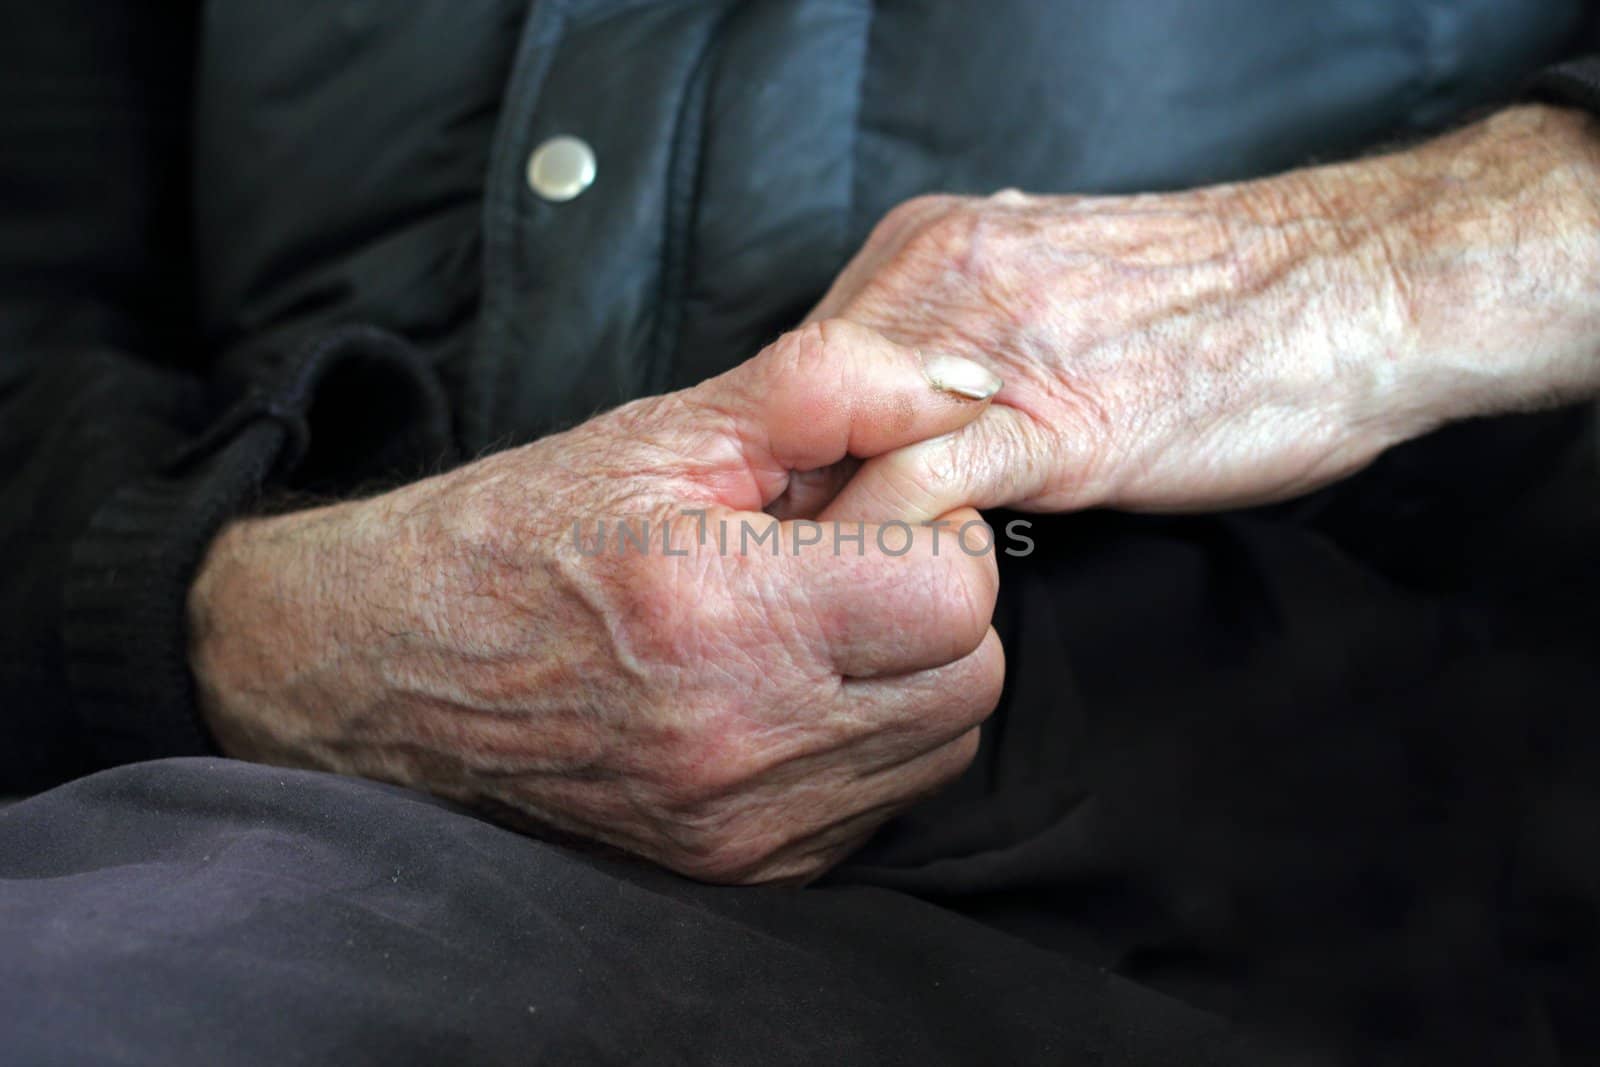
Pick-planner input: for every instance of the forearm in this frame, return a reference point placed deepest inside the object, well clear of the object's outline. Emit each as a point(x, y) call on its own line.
point(685, 705)
point(266, 619)
point(318, 638)
point(1244, 343)
point(1484, 248)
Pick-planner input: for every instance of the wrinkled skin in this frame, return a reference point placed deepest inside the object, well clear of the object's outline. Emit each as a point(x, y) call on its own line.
point(745, 718)
point(737, 717)
point(1240, 344)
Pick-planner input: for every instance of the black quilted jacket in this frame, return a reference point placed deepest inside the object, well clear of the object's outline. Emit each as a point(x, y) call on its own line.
point(248, 247)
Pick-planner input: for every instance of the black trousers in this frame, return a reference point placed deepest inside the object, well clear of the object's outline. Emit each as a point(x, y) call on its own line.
point(1313, 784)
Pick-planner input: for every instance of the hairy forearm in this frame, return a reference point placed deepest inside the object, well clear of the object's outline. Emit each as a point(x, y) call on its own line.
point(1487, 242)
point(1242, 343)
point(687, 706)
point(273, 617)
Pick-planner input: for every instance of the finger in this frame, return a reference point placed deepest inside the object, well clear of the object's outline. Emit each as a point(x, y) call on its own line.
point(898, 618)
point(924, 709)
point(809, 855)
point(999, 460)
point(834, 389)
point(808, 492)
point(876, 600)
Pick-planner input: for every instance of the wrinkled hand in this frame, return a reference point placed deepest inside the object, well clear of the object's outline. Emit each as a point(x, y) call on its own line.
point(738, 716)
point(1239, 344)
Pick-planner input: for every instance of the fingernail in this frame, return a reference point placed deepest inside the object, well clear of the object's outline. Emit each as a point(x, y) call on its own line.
point(952, 374)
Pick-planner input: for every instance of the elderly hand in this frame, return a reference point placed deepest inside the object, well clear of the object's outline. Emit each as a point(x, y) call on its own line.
point(739, 715)
point(1239, 344)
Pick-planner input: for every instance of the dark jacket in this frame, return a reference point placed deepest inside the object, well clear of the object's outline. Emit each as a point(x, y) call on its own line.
point(253, 247)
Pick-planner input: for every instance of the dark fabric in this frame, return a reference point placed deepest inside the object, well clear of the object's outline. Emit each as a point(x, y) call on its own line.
point(201, 912)
point(1576, 83)
point(195, 196)
point(1239, 773)
point(126, 643)
point(1326, 768)
point(741, 205)
point(124, 443)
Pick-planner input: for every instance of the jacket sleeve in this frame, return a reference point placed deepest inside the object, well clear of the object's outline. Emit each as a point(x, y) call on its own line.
point(1575, 82)
point(122, 448)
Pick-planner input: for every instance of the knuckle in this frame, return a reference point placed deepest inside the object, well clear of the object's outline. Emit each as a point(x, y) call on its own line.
point(908, 215)
point(1010, 196)
point(1011, 456)
point(947, 236)
point(807, 345)
point(789, 360)
point(902, 484)
point(840, 339)
point(929, 477)
point(806, 356)
point(927, 468)
point(931, 464)
point(800, 346)
point(930, 251)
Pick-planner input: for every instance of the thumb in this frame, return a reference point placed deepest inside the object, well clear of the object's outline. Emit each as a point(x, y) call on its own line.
point(833, 389)
point(997, 461)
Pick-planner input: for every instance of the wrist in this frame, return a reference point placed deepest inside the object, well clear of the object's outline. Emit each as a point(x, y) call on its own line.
point(1459, 278)
point(264, 616)
point(1487, 243)
point(395, 637)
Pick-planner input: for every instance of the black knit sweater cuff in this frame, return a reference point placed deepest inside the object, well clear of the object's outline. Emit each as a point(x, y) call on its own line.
point(1576, 82)
point(125, 620)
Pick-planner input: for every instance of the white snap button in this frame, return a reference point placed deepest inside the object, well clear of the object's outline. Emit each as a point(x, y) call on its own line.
point(561, 168)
